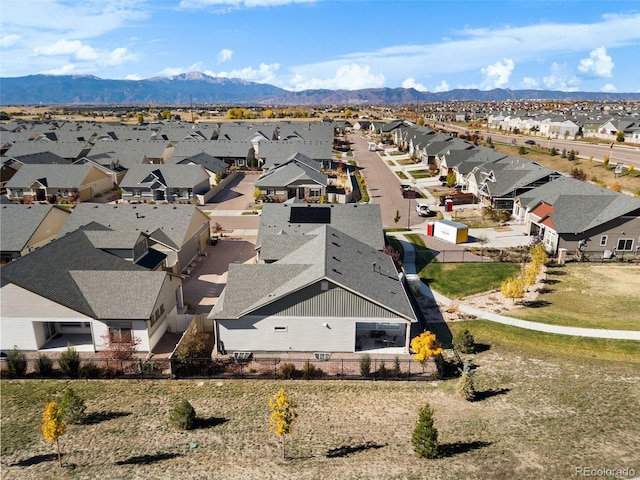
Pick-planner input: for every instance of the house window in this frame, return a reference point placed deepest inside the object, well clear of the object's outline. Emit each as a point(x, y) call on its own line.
point(314, 192)
point(279, 329)
point(120, 332)
point(603, 241)
point(625, 244)
point(271, 191)
point(137, 193)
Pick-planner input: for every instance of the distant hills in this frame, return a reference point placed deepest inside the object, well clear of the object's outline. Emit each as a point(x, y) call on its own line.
point(203, 89)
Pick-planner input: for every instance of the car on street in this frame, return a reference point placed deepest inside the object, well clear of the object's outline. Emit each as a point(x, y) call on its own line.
point(423, 210)
point(530, 142)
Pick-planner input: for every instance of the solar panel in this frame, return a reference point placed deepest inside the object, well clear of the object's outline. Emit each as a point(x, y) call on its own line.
point(310, 215)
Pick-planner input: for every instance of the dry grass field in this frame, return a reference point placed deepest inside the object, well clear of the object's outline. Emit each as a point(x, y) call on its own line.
point(540, 415)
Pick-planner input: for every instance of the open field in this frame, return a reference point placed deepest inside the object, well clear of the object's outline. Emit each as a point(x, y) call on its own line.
point(541, 414)
point(588, 295)
point(458, 280)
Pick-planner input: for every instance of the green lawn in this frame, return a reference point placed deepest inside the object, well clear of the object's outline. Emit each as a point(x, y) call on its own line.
point(422, 173)
point(588, 295)
point(458, 280)
point(401, 175)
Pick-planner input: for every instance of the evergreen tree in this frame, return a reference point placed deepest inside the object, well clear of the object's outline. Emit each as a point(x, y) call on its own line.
point(425, 435)
point(72, 406)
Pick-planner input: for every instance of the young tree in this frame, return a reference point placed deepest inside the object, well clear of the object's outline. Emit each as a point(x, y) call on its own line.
point(513, 288)
point(17, 363)
point(616, 187)
point(620, 137)
point(425, 347)
point(72, 406)
point(425, 435)
point(572, 155)
point(539, 254)
point(52, 426)
point(70, 362)
point(365, 365)
point(463, 341)
point(283, 416)
point(553, 152)
point(465, 387)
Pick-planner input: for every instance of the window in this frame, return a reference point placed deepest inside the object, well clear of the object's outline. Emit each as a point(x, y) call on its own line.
point(120, 332)
point(314, 192)
point(271, 191)
point(280, 329)
point(137, 192)
point(625, 244)
point(603, 241)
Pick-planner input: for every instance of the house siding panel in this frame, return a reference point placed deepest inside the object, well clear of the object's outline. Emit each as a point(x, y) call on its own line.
point(334, 302)
point(49, 228)
point(259, 334)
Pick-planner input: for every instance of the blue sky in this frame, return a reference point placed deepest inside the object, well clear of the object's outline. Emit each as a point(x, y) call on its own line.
point(430, 45)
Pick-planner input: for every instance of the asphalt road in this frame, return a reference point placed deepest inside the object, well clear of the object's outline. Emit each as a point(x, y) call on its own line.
point(384, 186)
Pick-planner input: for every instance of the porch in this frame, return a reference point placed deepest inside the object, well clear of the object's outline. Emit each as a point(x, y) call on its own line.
point(81, 342)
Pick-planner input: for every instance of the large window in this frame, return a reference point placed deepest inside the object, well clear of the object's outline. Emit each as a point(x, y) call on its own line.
point(120, 332)
point(625, 244)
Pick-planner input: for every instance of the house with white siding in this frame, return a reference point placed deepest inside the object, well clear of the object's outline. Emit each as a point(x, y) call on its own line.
point(71, 288)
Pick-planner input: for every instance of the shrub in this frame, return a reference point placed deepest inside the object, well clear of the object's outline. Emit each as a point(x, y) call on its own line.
point(17, 363)
point(425, 435)
point(382, 370)
point(464, 341)
point(365, 365)
point(92, 370)
point(309, 371)
point(288, 371)
point(70, 362)
point(553, 152)
point(465, 387)
point(572, 155)
point(183, 416)
point(44, 365)
point(396, 366)
point(72, 406)
point(564, 153)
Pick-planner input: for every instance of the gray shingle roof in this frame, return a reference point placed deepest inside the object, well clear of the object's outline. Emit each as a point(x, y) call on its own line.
point(19, 222)
point(173, 176)
point(361, 221)
point(52, 272)
point(328, 255)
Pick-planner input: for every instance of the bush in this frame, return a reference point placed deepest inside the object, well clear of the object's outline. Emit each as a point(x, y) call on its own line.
point(465, 387)
point(396, 366)
point(553, 152)
point(382, 370)
point(464, 342)
point(365, 365)
point(70, 362)
point(92, 370)
point(309, 371)
point(288, 371)
point(183, 416)
point(17, 363)
point(72, 406)
point(44, 365)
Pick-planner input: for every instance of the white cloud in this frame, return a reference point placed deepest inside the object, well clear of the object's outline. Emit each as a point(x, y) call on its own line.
point(9, 40)
point(599, 64)
point(117, 57)
point(133, 76)
point(529, 83)
point(195, 4)
point(265, 73)
point(224, 55)
point(497, 75)
point(345, 77)
point(443, 87)
point(561, 78)
point(74, 48)
point(64, 70)
point(608, 87)
point(411, 83)
point(172, 71)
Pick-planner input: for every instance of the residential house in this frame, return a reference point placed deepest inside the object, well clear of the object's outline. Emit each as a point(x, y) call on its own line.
point(170, 183)
point(27, 227)
point(299, 177)
point(568, 213)
point(328, 293)
point(181, 232)
point(212, 165)
point(71, 289)
point(57, 183)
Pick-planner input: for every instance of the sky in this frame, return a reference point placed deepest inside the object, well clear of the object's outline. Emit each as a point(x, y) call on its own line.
point(435, 46)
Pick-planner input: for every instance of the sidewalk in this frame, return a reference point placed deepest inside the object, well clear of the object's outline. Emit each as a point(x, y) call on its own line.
point(414, 280)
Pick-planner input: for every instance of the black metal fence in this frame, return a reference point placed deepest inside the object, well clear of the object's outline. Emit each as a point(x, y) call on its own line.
point(486, 255)
point(229, 368)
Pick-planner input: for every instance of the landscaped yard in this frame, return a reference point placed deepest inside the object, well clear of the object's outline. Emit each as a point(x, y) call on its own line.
point(420, 173)
point(458, 280)
point(542, 413)
point(588, 295)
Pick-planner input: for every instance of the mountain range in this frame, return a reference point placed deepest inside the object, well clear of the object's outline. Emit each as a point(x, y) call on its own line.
point(199, 88)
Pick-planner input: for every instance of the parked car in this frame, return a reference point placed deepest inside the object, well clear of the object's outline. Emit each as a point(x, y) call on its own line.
point(423, 210)
point(530, 142)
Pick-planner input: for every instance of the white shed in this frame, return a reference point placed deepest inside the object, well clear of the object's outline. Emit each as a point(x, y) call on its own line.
point(450, 231)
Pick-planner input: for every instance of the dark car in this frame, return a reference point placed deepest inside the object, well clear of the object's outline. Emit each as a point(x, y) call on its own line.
point(530, 142)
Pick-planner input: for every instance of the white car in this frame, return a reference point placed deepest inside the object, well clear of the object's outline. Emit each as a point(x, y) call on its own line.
point(423, 210)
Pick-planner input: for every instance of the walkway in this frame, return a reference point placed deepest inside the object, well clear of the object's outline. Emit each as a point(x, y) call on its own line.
point(414, 280)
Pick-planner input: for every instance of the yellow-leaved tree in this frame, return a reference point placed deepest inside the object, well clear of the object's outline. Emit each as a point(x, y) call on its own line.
point(514, 288)
point(539, 255)
point(425, 347)
point(283, 416)
point(52, 426)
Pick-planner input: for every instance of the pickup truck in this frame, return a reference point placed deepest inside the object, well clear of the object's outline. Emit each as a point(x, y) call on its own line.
point(423, 210)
